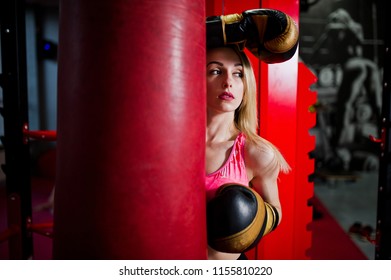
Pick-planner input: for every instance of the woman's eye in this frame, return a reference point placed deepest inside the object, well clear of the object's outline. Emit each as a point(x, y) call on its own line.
point(238, 74)
point(215, 72)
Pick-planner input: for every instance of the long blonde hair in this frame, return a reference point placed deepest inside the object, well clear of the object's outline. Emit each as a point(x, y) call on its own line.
point(246, 115)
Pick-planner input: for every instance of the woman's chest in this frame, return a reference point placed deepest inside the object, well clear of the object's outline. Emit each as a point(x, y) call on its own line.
point(217, 155)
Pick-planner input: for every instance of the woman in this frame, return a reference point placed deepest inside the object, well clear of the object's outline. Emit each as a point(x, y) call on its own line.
point(234, 151)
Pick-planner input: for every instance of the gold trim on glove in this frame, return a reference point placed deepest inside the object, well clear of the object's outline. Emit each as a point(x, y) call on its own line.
point(271, 218)
point(286, 40)
point(243, 239)
point(229, 19)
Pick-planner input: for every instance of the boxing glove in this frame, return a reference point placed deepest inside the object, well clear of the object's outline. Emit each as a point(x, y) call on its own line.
point(237, 219)
point(270, 35)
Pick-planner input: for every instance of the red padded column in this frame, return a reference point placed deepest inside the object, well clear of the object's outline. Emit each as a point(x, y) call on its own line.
point(285, 121)
point(131, 125)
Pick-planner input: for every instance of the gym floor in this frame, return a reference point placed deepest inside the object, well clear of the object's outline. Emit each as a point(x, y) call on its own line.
point(352, 201)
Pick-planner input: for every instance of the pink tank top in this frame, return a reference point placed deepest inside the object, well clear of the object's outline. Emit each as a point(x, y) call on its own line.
point(232, 171)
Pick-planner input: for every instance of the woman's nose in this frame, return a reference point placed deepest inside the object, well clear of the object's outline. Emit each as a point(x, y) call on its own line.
point(227, 83)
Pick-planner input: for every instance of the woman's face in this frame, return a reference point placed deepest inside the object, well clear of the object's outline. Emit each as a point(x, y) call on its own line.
point(224, 72)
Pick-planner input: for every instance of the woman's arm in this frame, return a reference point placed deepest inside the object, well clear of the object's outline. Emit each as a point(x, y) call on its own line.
point(263, 168)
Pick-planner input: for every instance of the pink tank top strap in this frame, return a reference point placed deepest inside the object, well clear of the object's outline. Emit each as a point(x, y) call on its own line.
point(232, 171)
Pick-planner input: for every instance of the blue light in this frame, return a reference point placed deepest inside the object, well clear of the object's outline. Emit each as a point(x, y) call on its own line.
point(47, 46)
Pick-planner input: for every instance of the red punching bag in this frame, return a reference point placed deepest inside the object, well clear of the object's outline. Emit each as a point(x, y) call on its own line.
point(131, 126)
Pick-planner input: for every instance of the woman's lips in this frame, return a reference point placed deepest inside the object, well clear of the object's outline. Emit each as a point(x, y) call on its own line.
point(226, 96)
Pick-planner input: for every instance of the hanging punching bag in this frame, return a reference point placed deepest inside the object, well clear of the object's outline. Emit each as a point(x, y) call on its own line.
point(130, 135)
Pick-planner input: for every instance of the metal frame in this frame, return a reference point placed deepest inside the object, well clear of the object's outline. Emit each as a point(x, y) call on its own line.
point(15, 113)
point(383, 231)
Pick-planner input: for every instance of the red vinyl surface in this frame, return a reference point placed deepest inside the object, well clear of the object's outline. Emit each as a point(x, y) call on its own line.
point(131, 126)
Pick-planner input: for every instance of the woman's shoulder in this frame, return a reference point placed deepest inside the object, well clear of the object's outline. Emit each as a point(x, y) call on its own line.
point(262, 154)
point(260, 151)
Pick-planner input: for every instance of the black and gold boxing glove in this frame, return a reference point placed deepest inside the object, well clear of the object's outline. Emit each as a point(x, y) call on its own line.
point(270, 35)
point(237, 219)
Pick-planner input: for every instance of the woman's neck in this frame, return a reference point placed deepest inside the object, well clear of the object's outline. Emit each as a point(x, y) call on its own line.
point(220, 127)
